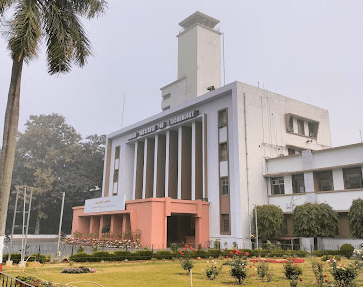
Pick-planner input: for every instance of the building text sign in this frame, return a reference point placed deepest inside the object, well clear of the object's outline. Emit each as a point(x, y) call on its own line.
point(162, 125)
point(104, 204)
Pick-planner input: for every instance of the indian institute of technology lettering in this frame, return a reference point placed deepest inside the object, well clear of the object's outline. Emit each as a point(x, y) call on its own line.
point(164, 124)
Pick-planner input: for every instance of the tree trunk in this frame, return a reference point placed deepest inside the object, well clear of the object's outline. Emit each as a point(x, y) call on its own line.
point(8, 147)
point(39, 210)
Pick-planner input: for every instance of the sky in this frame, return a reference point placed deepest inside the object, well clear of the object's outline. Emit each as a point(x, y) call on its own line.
point(308, 50)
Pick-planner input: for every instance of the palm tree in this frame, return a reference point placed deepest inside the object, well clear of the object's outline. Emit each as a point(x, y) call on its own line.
point(58, 22)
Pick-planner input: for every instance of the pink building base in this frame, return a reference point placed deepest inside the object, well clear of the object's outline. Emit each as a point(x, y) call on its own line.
point(150, 218)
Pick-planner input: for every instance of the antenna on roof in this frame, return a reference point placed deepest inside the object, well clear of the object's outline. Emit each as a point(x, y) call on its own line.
point(123, 110)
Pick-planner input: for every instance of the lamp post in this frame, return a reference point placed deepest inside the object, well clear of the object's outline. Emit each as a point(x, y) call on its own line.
point(60, 224)
point(256, 226)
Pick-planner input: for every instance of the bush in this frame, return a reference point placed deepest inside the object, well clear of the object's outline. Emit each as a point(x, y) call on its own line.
point(102, 256)
point(212, 271)
point(163, 254)
point(292, 271)
point(344, 275)
point(263, 271)
point(238, 270)
point(80, 257)
point(121, 255)
point(330, 257)
point(277, 253)
point(318, 253)
point(174, 247)
point(186, 263)
point(346, 250)
point(142, 255)
point(302, 253)
point(290, 253)
point(15, 257)
point(215, 253)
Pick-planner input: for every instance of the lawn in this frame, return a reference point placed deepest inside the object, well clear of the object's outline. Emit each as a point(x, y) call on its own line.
point(166, 273)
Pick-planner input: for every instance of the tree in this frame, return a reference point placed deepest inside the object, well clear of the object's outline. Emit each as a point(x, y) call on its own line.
point(314, 220)
point(66, 42)
point(355, 216)
point(270, 220)
point(52, 157)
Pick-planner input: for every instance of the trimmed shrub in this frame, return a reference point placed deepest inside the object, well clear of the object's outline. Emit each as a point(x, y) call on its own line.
point(318, 253)
point(290, 253)
point(302, 253)
point(121, 255)
point(277, 253)
point(80, 257)
point(202, 253)
point(346, 250)
point(15, 257)
point(215, 253)
point(142, 255)
point(163, 254)
point(102, 256)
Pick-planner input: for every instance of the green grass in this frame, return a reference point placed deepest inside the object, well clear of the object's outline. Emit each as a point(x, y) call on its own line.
point(165, 273)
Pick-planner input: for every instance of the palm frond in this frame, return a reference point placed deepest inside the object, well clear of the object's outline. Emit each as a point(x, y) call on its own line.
point(25, 30)
point(89, 8)
point(4, 5)
point(66, 39)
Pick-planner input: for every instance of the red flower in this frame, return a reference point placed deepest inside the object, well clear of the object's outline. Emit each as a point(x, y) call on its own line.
point(186, 245)
point(196, 250)
point(325, 280)
point(226, 256)
point(247, 253)
point(182, 253)
point(254, 275)
point(300, 279)
point(230, 252)
point(325, 275)
point(184, 249)
point(250, 266)
point(191, 247)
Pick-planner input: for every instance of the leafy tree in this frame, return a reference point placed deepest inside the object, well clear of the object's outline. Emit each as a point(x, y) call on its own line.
point(66, 42)
point(355, 216)
point(52, 157)
point(314, 220)
point(270, 220)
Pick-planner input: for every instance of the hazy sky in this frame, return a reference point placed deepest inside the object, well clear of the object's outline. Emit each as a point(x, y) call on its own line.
point(309, 50)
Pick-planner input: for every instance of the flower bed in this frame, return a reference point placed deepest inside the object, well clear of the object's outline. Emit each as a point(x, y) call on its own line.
point(77, 270)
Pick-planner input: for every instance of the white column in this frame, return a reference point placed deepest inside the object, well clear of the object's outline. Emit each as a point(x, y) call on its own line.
point(135, 167)
point(167, 159)
point(145, 168)
point(193, 160)
point(155, 164)
point(180, 141)
point(204, 154)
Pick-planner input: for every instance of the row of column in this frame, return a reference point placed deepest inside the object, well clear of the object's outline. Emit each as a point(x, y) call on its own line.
point(170, 165)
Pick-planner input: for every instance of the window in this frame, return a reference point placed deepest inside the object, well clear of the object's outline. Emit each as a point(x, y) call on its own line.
point(224, 186)
point(225, 223)
point(222, 118)
point(291, 151)
point(277, 185)
point(223, 153)
point(291, 125)
point(298, 185)
point(324, 180)
point(166, 96)
point(166, 108)
point(300, 127)
point(115, 175)
point(117, 152)
point(312, 130)
point(352, 177)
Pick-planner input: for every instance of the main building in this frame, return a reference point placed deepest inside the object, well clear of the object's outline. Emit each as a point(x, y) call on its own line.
point(194, 172)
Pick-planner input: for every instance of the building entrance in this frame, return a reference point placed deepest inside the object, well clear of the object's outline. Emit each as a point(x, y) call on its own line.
point(181, 229)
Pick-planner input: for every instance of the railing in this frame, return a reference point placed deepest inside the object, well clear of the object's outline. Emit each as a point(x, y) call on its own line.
point(8, 281)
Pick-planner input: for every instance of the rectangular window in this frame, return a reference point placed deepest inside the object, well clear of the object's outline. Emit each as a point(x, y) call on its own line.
point(115, 175)
point(222, 118)
point(223, 153)
point(291, 125)
point(291, 151)
point(166, 108)
point(324, 180)
point(300, 127)
point(277, 185)
point(225, 223)
point(352, 177)
point(166, 96)
point(224, 186)
point(298, 185)
point(312, 130)
point(117, 152)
